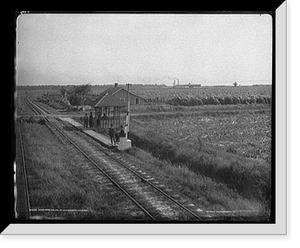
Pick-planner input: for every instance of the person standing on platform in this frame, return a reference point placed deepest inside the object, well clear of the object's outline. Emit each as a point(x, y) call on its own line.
point(91, 120)
point(85, 121)
point(122, 133)
point(111, 133)
point(98, 120)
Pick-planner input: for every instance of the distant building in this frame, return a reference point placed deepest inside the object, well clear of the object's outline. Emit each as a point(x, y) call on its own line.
point(107, 110)
point(113, 97)
point(121, 93)
point(104, 100)
point(187, 86)
point(194, 85)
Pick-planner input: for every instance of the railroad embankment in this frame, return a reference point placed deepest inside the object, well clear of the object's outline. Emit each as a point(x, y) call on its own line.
point(58, 184)
point(248, 178)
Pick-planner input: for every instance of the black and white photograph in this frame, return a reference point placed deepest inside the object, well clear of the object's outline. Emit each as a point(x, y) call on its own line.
point(145, 118)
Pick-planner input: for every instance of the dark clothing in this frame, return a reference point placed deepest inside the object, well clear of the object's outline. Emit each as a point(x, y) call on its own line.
point(91, 120)
point(98, 120)
point(111, 133)
point(85, 121)
point(122, 133)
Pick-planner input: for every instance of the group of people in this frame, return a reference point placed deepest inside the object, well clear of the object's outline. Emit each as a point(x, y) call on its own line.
point(88, 121)
point(115, 136)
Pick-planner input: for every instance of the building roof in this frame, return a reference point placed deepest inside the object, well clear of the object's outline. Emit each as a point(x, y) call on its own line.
point(114, 90)
point(110, 101)
point(106, 100)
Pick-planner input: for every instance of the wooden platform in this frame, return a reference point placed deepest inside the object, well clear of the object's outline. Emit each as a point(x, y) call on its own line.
point(103, 139)
point(100, 137)
point(71, 121)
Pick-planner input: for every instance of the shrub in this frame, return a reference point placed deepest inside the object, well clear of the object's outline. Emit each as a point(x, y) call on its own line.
point(227, 100)
point(236, 100)
point(75, 100)
point(260, 100)
point(231, 150)
point(33, 119)
point(41, 121)
point(213, 100)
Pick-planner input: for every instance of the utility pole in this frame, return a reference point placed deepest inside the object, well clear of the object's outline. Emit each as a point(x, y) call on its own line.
point(128, 112)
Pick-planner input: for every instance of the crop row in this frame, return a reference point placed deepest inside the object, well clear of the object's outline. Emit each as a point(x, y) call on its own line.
point(209, 95)
point(195, 101)
point(247, 134)
point(232, 149)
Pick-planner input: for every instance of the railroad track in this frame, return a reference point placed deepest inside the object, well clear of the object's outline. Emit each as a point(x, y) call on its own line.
point(109, 168)
point(83, 160)
point(26, 203)
point(24, 170)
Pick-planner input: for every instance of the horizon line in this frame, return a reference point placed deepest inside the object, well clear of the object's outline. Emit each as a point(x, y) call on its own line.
point(147, 84)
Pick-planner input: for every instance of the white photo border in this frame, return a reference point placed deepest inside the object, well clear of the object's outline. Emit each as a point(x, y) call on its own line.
point(280, 226)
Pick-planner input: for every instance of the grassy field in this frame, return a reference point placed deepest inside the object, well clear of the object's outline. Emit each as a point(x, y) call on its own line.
point(201, 190)
point(193, 144)
point(218, 156)
point(208, 95)
point(245, 133)
point(58, 181)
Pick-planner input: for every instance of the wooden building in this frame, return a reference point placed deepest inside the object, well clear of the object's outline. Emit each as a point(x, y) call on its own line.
point(122, 94)
point(108, 111)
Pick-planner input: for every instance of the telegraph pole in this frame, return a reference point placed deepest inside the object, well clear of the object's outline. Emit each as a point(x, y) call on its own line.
point(128, 112)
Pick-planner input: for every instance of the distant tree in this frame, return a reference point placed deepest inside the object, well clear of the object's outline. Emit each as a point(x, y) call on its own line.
point(63, 91)
point(75, 100)
point(80, 93)
point(83, 89)
point(235, 84)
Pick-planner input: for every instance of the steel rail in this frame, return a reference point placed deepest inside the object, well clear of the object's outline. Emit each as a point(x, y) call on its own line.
point(105, 173)
point(139, 176)
point(158, 189)
point(25, 172)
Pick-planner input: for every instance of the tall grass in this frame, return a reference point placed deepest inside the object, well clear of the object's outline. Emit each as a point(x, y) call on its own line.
point(250, 178)
point(211, 100)
point(203, 191)
point(51, 181)
point(57, 179)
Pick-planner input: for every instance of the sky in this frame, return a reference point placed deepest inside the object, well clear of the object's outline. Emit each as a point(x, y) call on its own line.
point(207, 49)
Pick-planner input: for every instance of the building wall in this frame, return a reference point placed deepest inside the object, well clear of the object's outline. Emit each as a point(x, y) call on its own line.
point(134, 100)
